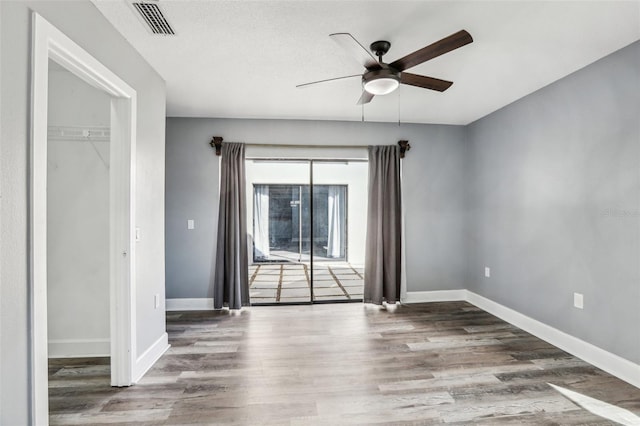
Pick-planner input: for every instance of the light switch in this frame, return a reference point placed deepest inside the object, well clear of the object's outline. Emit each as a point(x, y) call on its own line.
point(137, 233)
point(156, 301)
point(191, 224)
point(487, 271)
point(578, 300)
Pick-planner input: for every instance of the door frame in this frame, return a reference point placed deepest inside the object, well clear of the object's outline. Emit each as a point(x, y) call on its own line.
point(311, 162)
point(50, 43)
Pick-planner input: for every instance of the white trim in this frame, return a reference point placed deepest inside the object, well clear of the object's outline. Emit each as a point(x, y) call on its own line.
point(150, 356)
point(49, 43)
point(71, 348)
point(435, 296)
point(611, 363)
point(122, 240)
point(201, 304)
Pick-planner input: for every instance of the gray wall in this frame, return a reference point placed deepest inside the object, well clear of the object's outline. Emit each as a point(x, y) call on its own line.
point(82, 22)
point(433, 172)
point(554, 206)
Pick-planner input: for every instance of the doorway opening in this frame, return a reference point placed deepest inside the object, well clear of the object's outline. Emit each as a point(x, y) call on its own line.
point(78, 299)
point(307, 222)
point(49, 44)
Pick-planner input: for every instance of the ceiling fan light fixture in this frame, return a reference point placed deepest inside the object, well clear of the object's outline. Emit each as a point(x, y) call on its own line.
point(381, 82)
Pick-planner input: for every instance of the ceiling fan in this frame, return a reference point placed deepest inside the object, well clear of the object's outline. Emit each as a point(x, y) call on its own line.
point(381, 78)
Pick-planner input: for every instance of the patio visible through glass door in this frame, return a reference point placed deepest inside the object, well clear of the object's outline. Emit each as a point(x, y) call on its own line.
point(305, 244)
point(278, 222)
point(339, 227)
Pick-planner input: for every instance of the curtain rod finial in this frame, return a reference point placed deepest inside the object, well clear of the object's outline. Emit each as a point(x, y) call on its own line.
point(404, 147)
point(216, 143)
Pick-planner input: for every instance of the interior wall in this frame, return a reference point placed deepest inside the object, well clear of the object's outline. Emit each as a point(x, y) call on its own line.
point(434, 172)
point(77, 220)
point(83, 23)
point(554, 206)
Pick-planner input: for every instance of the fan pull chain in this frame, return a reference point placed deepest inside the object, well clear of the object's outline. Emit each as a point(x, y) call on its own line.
point(362, 104)
point(399, 106)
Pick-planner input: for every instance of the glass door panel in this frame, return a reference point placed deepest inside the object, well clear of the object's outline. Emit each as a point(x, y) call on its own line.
point(278, 210)
point(339, 228)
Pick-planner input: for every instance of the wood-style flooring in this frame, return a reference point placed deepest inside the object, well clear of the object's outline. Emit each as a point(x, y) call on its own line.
point(438, 363)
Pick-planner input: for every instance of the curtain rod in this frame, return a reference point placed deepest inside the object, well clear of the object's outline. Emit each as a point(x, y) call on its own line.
point(216, 142)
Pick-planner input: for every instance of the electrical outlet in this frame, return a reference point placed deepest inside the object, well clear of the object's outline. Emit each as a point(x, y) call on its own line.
point(191, 224)
point(487, 272)
point(578, 300)
point(156, 301)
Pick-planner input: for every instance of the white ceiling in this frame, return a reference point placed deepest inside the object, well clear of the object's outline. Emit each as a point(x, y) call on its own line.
point(243, 59)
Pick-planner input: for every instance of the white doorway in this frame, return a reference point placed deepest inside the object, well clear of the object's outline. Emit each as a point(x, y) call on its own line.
point(48, 43)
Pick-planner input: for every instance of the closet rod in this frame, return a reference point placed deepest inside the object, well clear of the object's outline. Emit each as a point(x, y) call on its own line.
point(216, 143)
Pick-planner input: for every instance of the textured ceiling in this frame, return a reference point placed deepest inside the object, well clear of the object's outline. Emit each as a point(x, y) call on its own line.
point(243, 59)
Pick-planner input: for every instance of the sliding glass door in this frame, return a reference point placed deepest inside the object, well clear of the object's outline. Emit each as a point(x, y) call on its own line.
point(339, 226)
point(279, 227)
point(305, 242)
point(281, 222)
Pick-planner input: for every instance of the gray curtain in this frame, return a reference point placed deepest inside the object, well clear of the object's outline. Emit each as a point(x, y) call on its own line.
point(231, 281)
point(384, 220)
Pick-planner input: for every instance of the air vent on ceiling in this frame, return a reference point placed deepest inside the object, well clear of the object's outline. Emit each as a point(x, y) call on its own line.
point(153, 16)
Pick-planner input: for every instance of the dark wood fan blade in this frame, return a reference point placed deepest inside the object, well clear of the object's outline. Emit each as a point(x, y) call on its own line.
point(438, 48)
point(425, 82)
point(329, 79)
point(356, 50)
point(365, 98)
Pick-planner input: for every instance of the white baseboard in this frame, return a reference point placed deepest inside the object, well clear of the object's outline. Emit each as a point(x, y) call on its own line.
point(79, 348)
point(611, 363)
point(607, 361)
point(435, 296)
point(201, 304)
point(150, 356)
